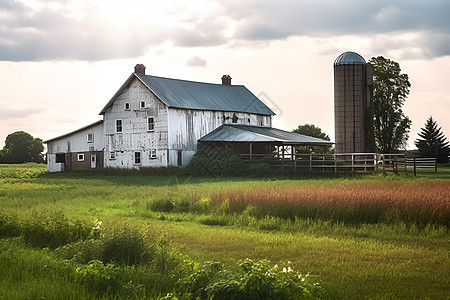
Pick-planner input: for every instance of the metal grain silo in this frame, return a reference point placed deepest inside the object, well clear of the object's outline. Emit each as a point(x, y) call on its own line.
point(353, 79)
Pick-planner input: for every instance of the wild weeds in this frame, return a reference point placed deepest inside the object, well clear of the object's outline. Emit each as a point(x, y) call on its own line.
point(45, 229)
point(419, 203)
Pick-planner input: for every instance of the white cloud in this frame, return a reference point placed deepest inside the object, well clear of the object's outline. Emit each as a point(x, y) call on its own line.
point(39, 30)
point(196, 61)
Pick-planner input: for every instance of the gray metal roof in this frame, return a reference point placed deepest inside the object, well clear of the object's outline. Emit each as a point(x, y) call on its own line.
point(349, 58)
point(201, 96)
point(246, 133)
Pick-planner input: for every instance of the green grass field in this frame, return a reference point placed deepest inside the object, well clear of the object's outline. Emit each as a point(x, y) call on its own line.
point(390, 241)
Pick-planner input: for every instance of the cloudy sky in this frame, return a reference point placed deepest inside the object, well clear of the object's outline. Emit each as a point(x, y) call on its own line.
point(61, 61)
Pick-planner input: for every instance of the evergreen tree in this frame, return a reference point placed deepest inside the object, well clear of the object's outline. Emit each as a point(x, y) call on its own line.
point(432, 142)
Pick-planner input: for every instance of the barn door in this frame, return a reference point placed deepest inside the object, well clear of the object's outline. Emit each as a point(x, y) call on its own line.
point(93, 161)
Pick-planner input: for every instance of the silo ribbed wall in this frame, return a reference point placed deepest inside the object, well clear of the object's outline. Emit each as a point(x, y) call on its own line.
point(352, 94)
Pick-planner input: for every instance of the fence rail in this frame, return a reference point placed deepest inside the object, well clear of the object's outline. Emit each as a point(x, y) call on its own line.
point(331, 163)
point(422, 163)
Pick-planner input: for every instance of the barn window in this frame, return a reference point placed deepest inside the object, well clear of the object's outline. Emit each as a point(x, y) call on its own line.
point(142, 104)
point(180, 158)
point(118, 126)
point(153, 154)
point(90, 137)
point(234, 119)
point(80, 157)
point(137, 158)
point(112, 155)
point(60, 158)
point(127, 105)
point(150, 124)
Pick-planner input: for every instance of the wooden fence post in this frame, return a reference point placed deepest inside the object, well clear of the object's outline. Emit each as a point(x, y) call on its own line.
point(414, 163)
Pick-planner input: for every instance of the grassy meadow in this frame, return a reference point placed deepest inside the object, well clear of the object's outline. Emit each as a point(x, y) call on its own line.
point(107, 235)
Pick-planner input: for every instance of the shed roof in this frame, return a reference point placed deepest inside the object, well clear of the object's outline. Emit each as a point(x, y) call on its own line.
point(75, 131)
point(200, 96)
point(246, 133)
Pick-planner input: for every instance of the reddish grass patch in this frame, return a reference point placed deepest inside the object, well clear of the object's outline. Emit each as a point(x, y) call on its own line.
point(420, 203)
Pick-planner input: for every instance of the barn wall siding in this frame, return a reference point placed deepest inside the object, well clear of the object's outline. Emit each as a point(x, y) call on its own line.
point(135, 136)
point(77, 142)
point(187, 126)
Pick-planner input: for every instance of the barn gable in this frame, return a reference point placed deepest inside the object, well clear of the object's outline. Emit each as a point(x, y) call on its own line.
point(184, 94)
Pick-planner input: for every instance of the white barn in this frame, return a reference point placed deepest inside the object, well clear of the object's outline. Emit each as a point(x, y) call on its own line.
point(156, 122)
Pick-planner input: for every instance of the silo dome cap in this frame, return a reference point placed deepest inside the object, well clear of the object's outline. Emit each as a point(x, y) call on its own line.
point(349, 58)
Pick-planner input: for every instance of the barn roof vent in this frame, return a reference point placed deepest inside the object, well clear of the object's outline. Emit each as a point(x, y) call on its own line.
point(139, 69)
point(226, 80)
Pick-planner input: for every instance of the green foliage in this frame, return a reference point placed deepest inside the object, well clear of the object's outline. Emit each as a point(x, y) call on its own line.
point(22, 171)
point(390, 90)
point(352, 260)
point(261, 169)
point(432, 142)
point(21, 147)
point(125, 246)
point(254, 280)
point(214, 220)
point(9, 226)
point(223, 162)
point(216, 161)
point(44, 229)
point(83, 251)
point(313, 131)
point(161, 205)
point(99, 278)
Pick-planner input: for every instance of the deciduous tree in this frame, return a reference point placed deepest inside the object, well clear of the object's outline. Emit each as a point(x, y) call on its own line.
point(314, 131)
point(21, 147)
point(390, 90)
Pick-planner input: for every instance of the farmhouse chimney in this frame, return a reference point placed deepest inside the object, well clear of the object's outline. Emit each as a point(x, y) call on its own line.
point(139, 69)
point(226, 80)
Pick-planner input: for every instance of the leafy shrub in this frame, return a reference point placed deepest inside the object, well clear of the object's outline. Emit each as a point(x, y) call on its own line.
point(196, 284)
point(161, 205)
point(255, 280)
point(214, 220)
point(99, 278)
point(9, 226)
point(83, 251)
point(269, 223)
point(169, 261)
point(126, 246)
point(202, 205)
point(215, 161)
point(261, 169)
point(53, 230)
point(183, 204)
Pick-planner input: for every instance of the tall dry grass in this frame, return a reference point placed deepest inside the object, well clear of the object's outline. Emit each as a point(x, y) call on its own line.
point(419, 203)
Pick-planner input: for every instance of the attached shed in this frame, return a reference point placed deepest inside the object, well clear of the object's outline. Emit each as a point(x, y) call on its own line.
point(81, 149)
point(254, 141)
